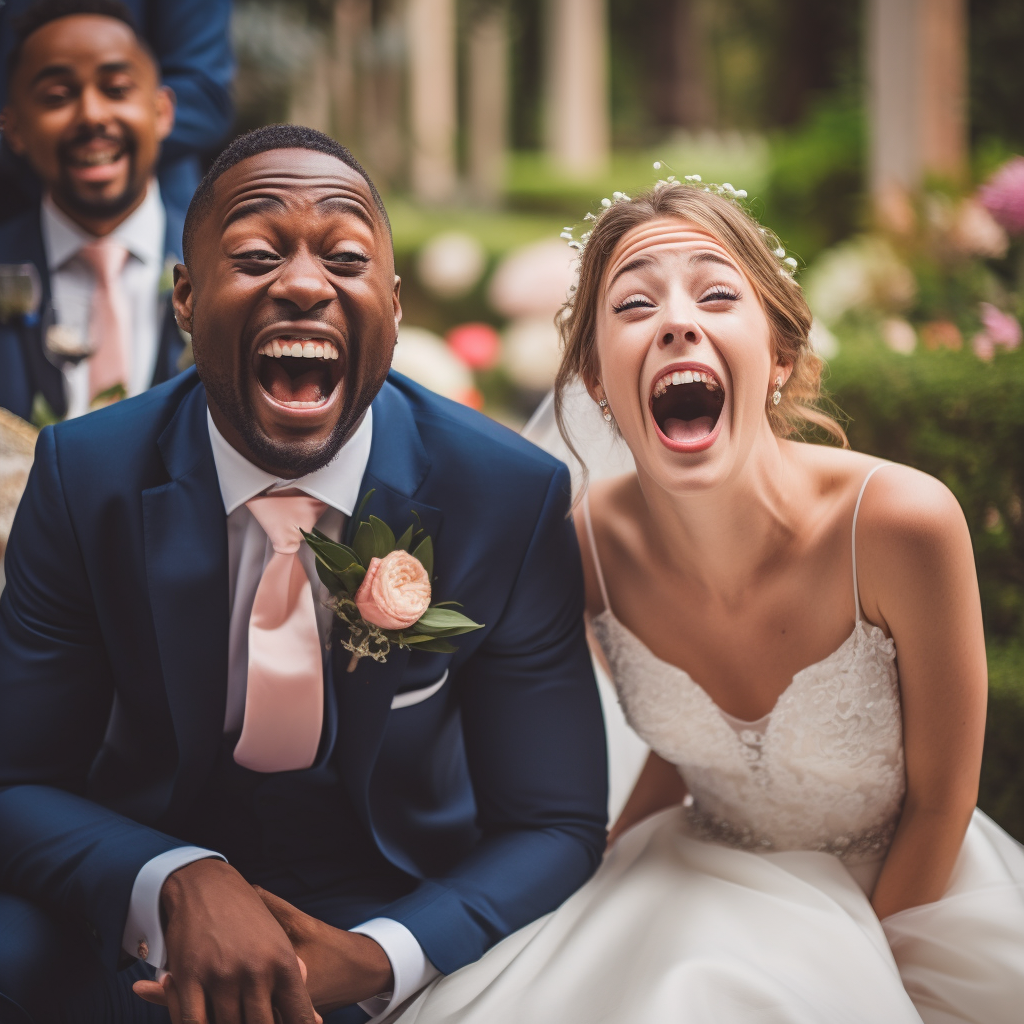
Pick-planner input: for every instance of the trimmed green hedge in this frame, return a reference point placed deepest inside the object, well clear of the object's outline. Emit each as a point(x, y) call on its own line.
point(962, 420)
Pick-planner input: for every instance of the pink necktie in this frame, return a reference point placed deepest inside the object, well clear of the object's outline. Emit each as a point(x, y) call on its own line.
point(284, 697)
point(108, 322)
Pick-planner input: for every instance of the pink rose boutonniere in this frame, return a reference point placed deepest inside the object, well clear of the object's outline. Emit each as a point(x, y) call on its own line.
point(380, 590)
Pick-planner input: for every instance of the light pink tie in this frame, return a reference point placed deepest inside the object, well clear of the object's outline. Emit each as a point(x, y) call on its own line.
point(284, 697)
point(108, 321)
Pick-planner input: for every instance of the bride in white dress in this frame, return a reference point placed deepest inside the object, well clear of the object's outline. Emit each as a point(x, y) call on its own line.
point(795, 631)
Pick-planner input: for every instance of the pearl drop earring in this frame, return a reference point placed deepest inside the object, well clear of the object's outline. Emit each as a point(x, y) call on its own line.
point(603, 405)
point(777, 393)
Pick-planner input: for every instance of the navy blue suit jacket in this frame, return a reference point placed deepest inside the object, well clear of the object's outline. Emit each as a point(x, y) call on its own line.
point(114, 652)
point(192, 43)
point(25, 369)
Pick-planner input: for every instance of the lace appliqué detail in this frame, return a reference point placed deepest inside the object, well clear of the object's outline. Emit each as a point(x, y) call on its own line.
point(825, 773)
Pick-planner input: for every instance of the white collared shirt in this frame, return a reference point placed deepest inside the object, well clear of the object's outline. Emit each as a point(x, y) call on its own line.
point(249, 549)
point(72, 285)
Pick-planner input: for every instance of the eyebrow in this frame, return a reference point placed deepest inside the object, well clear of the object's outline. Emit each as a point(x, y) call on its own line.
point(60, 70)
point(249, 207)
point(638, 263)
point(351, 206)
point(711, 257)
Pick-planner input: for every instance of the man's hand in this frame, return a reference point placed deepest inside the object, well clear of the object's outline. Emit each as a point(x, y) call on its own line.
point(229, 960)
point(343, 967)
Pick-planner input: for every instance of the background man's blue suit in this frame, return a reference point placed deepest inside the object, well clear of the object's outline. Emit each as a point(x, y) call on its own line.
point(191, 40)
point(24, 368)
point(463, 817)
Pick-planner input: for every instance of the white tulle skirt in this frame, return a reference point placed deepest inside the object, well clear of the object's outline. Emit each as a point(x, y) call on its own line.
point(673, 930)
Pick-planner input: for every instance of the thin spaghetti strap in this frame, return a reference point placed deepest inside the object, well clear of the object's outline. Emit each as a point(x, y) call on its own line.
point(856, 512)
point(593, 551)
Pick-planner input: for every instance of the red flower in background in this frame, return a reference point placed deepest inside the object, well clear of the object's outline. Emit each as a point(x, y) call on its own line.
point(1003, 196)
point(477, 345)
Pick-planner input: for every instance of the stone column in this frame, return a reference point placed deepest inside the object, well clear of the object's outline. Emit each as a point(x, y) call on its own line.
point(487, 102)
point(577, 126)
point(351, 32)
point(917, 97)
point(433, 113)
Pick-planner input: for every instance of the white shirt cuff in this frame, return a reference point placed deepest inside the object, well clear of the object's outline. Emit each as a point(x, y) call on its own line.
point(143, 933)
point(409, 964)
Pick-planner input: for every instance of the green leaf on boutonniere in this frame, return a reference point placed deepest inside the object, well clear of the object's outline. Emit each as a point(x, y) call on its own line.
point(444, 621)
point(434, 646)
point(364, 543)
point(358, 517)
point(331, 580)
point(383, 537)
point(424, 551)
point(352, 577)
point(403, 542)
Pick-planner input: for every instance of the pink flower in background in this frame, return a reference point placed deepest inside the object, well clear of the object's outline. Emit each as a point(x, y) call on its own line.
point(477, 345)
point(1003, 196)
point(395, 591)
point(938, 334)
point(1002, 328)
point(983, 345)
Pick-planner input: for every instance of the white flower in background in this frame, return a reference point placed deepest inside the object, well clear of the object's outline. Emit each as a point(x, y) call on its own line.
point(899, 335)
point(822, 340)
point(423, 356)
point(532, 352)
point(863, 272)
point(451, 264)
point(533, 281)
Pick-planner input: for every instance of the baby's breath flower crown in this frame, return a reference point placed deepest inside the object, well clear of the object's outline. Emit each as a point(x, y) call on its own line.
point(787, 264)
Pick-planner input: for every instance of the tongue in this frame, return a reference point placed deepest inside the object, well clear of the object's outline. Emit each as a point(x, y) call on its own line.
point(308, 386)
point(688, 430)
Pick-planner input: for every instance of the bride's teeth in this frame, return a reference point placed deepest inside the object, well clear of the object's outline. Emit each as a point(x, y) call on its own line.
point(677, 377)
point(687, 377)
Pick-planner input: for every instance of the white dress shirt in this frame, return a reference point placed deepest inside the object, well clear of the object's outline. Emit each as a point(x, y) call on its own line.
point(72, 285)
point(249, 550)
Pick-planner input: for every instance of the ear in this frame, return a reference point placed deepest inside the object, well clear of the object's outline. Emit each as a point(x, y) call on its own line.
point(395, 301)
point(183, 297)
point(165, 104)
point(12, 130)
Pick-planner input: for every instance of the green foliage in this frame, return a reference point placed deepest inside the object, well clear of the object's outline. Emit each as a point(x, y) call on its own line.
point(814, 195)
point(1002, 770)
point(961, 420)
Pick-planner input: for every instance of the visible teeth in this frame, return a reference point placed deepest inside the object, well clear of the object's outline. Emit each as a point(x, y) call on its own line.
point(677, 378)
point(275, 349)
point(319, 353)
point(687, 377)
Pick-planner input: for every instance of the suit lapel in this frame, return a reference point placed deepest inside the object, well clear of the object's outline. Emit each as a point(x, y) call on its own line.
point(187, 571)
point(397, 468)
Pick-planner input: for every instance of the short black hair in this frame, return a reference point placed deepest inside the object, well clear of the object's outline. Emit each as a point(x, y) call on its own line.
point(45, 11)
point(263, 140)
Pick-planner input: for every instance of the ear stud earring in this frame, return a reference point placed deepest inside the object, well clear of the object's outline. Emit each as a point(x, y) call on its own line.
point(603, 405)
point(777, 393)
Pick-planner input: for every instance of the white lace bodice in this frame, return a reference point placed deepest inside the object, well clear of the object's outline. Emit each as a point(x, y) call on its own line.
point(822, 771)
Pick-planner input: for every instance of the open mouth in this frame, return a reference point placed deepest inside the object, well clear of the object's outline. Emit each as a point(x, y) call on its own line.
point(96, 159)
point(686, 405)
point(299, 371)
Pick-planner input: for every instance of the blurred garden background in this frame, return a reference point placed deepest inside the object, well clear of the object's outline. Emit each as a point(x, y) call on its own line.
point(880, 139)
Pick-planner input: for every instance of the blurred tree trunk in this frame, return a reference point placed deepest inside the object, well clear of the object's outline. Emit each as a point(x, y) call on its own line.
point(487, 101)
point(578, 132)
point(351, 37)
point(692, 93)
point(917, 85)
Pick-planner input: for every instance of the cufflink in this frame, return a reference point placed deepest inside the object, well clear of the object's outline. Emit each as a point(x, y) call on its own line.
point(143, 950)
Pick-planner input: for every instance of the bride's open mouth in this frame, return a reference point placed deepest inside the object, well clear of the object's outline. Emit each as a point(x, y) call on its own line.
point(300, 370)
point(686, 405)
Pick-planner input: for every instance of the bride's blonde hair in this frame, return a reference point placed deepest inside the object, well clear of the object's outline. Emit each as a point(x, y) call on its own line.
point(789, 318)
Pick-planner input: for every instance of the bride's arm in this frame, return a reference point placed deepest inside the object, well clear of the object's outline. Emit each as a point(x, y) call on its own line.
point(917, 574)
point(659, 786)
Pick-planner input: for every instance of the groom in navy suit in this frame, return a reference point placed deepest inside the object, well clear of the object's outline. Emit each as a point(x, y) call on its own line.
point(451, 799)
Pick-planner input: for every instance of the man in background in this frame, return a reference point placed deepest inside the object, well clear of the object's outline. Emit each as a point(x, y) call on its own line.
point(190, 40)
point(87, 110)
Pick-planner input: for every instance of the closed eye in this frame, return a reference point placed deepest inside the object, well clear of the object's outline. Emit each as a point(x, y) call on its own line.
point(718, 294)
point(347, 257)
point(634, 302)
point(259, 255)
